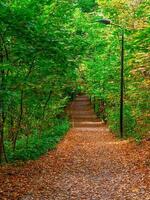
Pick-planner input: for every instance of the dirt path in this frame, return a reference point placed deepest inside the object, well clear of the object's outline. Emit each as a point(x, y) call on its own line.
point(89, 164)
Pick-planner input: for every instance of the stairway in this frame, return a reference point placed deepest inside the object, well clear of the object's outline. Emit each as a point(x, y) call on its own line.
point(82, 114)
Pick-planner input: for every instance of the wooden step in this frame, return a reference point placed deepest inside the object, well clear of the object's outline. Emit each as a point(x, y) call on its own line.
point(85, 120)
point(87, 117)
point(82, 114)
point(82, 99)
point(87, 124)
point(81, 109)
point(81, 102)
point(75, 112)
point(81, 106)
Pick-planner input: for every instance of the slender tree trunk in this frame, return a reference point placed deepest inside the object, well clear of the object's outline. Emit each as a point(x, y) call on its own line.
point(48, 98)
point(2, 116)
point(21, 107)
point(3, 54)
point(2, 119)
point(19, 120)
point(44, 110)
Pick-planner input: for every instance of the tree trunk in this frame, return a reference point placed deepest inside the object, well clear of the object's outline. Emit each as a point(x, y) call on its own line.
point(19, 120)
point(48, 98)
point(2, 120)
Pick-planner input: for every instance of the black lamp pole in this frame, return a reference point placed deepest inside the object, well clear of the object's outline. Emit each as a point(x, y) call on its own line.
point(107, 22)
point(122, 85)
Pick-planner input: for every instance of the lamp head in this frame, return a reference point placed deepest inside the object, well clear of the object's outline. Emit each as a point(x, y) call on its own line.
point(104, 21)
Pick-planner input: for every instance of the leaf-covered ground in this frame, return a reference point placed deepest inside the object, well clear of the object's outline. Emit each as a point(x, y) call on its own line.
point(89, 164)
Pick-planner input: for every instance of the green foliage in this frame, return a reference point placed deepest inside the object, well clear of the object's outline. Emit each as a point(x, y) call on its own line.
point(87, 5)
point(50, 50)
point(100, 70)
point(38, 56)
point(34, 145)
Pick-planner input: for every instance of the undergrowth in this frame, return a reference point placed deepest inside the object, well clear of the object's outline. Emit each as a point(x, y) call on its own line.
point(33, 146)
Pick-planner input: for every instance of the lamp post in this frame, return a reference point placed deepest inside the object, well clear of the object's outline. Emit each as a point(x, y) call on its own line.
point(109, 22)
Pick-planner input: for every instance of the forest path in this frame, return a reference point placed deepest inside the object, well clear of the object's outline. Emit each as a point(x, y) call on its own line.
point(89, 164)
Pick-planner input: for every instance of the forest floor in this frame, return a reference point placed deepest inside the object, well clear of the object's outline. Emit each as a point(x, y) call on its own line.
point(89, 164)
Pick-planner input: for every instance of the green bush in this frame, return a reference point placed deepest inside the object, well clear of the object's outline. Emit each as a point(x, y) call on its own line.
point(35, 145)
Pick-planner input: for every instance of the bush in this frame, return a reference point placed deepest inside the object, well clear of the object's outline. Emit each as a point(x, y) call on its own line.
point(33, 146)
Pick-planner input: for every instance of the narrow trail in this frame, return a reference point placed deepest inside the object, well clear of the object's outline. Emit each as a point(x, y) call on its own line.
point(89, 164)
